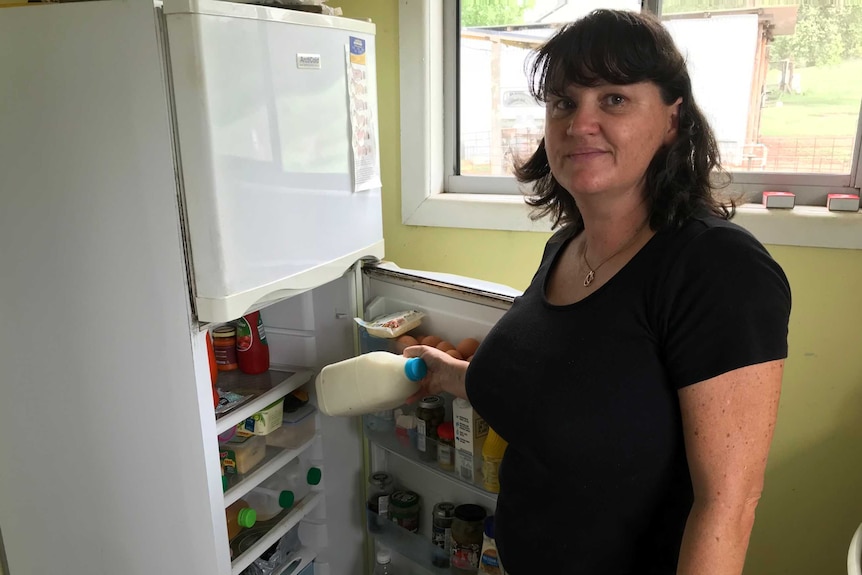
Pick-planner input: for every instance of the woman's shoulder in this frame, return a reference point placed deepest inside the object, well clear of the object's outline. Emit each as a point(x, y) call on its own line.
point(704, 236)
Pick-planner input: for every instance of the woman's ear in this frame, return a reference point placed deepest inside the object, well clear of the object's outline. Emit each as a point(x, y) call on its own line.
point(673, 121)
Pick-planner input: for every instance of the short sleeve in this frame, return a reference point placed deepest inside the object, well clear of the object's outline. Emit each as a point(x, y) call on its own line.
point(727, 305)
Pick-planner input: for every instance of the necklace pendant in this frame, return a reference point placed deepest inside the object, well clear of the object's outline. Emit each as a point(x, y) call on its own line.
point(589, 278)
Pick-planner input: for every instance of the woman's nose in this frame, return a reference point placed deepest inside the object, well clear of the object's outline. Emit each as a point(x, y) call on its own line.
point(583, 120)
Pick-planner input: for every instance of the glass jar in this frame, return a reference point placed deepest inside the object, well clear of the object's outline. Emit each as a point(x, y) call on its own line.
point(379, 492)
point(441, 532)
point(224, 347)
point(429, 414)
point(446, 446)
point(467, 536)
point(404, 510)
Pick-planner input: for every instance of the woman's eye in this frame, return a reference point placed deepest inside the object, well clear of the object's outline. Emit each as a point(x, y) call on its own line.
point(561, 106)
point(615, 100)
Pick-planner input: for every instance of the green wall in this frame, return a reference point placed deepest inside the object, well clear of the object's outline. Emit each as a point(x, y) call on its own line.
point(813, 497)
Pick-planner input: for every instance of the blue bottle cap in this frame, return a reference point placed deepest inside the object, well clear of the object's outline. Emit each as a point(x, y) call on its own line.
point(415, 369)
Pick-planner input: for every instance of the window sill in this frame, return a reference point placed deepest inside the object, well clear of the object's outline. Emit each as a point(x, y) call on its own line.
point(807, 226)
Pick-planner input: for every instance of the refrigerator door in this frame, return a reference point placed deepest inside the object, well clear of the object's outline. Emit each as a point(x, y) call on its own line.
point(277, 136)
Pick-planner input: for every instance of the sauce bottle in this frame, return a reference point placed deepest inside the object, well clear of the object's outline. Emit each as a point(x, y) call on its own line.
point(489, 560)
point(252, 349)
point(371, 382)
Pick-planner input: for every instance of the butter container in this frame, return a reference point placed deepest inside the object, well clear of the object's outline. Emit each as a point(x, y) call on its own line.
point(297, 427)
point(241, 454)
point(264, 421)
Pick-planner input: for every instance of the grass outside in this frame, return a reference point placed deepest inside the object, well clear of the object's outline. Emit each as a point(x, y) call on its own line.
point(828, 106)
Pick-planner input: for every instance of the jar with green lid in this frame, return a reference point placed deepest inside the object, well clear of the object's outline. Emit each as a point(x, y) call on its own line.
point(467, 536)
point(404, 510)
point(429, 415)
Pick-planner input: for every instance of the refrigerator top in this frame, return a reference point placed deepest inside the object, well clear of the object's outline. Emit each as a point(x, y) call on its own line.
point(265, 13)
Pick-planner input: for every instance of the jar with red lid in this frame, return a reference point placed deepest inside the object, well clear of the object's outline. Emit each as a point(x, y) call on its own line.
point(446, 446)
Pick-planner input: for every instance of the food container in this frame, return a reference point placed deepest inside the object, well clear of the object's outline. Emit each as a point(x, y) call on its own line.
point(241, 454)
point(297, 427)
point(224, 348)
point(446, 446)
point(404, 510)
point(429, 415)
point(470, 433)
point(264, 421)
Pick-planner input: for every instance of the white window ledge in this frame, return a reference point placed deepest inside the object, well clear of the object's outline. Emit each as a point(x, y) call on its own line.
point(809, 226)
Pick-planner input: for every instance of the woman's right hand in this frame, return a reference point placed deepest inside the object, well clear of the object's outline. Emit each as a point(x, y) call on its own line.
point(445, 373)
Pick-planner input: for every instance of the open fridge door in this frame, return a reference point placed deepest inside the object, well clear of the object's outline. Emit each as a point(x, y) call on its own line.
point(317, 328)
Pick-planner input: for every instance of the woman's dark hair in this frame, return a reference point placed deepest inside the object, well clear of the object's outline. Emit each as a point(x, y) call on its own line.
point(621, 47)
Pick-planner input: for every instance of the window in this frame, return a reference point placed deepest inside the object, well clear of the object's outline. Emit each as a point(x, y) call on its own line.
point(783, 97)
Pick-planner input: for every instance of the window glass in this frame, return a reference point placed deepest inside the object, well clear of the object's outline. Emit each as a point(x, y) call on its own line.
point(781, 84)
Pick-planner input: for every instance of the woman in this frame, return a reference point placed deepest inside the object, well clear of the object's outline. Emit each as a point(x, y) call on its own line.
point(637, 379)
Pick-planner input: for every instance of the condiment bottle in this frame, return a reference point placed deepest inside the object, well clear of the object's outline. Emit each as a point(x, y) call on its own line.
point(239, 516)
point(252, 349)
point(404, 510)
point(467, 536)
point(492, 454)
point(489, 560)
point(213, 367)
point(446, 446)
point(367, 383)
point(441, 532)
point(224, 347)
point(429, 415)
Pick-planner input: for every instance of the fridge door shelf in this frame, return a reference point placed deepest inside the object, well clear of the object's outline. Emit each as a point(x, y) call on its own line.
point(282, 526)
point(264, 389)
point(297, 561)
point(417, 549)
point(382, 433)
point(275, 459)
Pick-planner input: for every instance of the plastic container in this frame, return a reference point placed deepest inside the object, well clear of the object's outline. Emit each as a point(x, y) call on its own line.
point(489, 560)
point(241, 454)
point(269, 502)
point(297, 427)
point(371, 382)
point(298, 477)
point(224, 347)
point(252, 350)
point(239, 515)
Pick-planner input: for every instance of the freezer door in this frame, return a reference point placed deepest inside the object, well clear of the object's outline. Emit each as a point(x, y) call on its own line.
point(275, 114)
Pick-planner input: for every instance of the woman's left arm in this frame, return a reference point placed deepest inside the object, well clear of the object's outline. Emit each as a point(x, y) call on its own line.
point(728, 422)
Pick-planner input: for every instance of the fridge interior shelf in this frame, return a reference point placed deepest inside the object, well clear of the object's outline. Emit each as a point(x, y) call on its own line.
point(263, 389)
point(382, 433)
point(281, 525)
point(275, 459)
point(419, 550)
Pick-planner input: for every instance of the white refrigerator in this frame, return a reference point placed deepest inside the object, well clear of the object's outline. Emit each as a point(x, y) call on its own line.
point(163, 170)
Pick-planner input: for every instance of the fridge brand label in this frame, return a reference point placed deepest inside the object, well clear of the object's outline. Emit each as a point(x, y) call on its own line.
point(308, 61)
point(357, 50)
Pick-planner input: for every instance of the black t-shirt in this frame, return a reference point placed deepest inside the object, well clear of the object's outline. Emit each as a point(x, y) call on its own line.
point(595, 479)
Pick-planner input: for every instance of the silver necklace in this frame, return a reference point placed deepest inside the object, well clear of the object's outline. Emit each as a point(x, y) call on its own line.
point(591, 275)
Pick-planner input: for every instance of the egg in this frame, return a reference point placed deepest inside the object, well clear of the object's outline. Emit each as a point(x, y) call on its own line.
point(445, 346)
point(467, 346)
point(405, 341)
point(454, 353)
point(431, 340)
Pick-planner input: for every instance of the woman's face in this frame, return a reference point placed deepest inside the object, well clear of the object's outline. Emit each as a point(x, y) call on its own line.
point(601, 139)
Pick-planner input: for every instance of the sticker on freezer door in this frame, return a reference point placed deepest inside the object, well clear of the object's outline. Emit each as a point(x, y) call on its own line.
point(366, 165)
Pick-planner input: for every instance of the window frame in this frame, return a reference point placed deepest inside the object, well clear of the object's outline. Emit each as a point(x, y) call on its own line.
point(433, 195)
